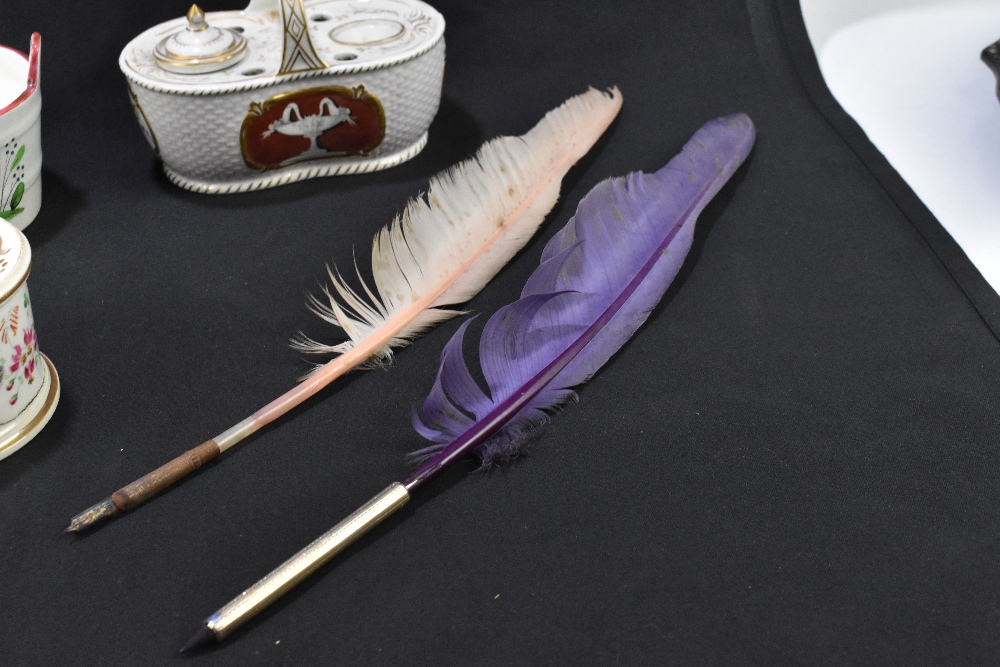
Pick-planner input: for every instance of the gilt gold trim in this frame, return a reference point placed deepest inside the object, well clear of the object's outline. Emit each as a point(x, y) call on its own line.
point(43, 414)
point(196, 19)
point(164, 57)
point(145, 118)
point(340, 28)
point(302, 49)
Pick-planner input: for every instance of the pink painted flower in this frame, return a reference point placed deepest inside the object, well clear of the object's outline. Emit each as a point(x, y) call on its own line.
point(28, 358)
point(17, 360)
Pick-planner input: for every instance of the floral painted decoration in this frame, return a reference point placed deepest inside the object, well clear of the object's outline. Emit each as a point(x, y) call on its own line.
point(12, 186)
point(25, 354)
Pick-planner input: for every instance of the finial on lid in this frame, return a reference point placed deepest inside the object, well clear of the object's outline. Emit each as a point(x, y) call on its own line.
point(196, 19)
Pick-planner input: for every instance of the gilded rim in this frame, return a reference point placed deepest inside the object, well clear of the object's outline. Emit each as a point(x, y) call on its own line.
point(399, 33)
point(17, 439)
point(164, 57)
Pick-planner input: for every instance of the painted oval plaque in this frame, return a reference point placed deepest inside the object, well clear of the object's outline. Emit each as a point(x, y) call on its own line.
point(311, 124)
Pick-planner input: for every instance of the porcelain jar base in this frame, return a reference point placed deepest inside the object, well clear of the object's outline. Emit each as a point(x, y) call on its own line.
point(19, 431)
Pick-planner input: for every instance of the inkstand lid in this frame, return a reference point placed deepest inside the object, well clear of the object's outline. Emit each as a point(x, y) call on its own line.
point(200, 48)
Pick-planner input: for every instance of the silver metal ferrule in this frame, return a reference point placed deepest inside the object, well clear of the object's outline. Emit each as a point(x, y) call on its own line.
point(255, 599)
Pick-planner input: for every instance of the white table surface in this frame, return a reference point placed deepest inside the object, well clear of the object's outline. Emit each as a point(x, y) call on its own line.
point(913, 79)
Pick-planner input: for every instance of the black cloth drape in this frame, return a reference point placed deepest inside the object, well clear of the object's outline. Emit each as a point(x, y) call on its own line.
point(793, 462)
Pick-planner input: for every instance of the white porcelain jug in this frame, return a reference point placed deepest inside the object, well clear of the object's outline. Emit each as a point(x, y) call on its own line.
point(20, 134)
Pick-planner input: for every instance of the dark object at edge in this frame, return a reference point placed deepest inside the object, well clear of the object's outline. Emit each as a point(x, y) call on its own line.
point(991, 56)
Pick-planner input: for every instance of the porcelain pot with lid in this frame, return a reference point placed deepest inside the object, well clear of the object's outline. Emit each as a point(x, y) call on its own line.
point(286, 90)
point(29, 384)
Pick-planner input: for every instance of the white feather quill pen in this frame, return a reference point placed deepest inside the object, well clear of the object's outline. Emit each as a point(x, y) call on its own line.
point(441, 251)
point(477, 215)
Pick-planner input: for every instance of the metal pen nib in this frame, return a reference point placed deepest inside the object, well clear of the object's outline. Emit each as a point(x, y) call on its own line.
point(147, 486)
point(200, 639)
point(93, 515)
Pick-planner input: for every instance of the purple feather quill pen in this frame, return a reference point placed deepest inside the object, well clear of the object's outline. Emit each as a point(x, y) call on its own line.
point(599, 278)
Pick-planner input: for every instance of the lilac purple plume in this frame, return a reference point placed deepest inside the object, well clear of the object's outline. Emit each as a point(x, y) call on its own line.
point(599, 278)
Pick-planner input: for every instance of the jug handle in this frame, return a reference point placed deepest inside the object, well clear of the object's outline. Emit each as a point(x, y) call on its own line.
point(35, 53)
point(34, 58)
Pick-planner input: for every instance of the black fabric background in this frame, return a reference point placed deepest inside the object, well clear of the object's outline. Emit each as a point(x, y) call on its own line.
point(793, 462)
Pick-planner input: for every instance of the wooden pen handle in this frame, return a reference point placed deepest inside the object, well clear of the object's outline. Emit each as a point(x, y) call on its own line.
point(149, 485)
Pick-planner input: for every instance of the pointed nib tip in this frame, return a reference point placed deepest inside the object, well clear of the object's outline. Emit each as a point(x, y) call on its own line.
point(203, 637)
point(94, 515)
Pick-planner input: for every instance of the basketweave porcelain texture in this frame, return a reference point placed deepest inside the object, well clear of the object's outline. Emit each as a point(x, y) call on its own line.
point(20, 134)
point(324, 87)
point(29, 385)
